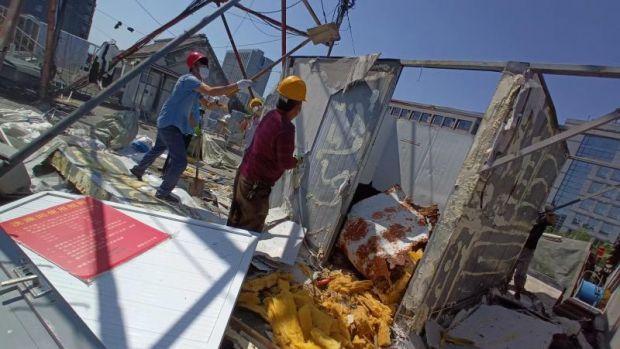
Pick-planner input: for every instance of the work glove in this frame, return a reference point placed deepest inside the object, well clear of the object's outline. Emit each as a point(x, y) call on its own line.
point(197, 131)
point(245, 83)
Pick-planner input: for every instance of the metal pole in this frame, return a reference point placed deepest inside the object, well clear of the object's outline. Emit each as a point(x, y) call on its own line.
point(283, 35)
point(572, 202)
point(571, 132)
point(33, 146)
point(312, 13)
point(237, 55)
point(8, 28)
point(271, 20)
point(50, 48)
point(269, 67)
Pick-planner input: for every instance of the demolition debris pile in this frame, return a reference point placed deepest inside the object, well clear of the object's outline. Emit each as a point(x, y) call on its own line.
point(383, 238)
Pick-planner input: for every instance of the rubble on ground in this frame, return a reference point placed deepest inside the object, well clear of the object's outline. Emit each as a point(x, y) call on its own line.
point(117, 131)
point(333, 310)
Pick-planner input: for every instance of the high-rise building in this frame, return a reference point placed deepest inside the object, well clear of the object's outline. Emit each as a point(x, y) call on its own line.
point(600, 215)
point(77, 19)
point(253, 60)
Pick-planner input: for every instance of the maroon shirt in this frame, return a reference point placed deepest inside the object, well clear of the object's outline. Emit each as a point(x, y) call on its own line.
point(271, 152)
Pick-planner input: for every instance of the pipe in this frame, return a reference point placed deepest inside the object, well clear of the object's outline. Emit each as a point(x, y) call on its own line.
point(36, 144)
point(237, 55)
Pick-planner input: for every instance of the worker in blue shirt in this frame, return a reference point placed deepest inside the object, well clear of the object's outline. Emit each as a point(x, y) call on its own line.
point(179, 116)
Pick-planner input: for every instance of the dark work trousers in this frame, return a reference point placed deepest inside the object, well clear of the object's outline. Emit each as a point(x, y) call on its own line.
point(250, 204)
point(172, 139)
point(188, 139)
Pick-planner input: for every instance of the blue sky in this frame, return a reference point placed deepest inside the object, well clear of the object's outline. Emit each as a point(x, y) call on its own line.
point(549, 31)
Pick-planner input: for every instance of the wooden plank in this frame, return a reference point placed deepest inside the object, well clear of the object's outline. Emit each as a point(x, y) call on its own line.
point(178, 294)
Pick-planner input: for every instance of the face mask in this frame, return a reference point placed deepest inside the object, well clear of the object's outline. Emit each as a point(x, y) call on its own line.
point(204, 73)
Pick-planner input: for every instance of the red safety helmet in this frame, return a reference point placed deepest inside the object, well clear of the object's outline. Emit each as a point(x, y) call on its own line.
point(194, 57)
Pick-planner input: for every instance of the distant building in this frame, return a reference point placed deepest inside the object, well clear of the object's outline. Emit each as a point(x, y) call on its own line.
point(78, 14)
point(599, 216)
point(28, 46)
point(152, 88)
point(254, 60)
point(421, 148)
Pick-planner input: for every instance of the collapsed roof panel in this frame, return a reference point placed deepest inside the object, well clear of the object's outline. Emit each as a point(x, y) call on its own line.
point(489, 214)
point(188, 283)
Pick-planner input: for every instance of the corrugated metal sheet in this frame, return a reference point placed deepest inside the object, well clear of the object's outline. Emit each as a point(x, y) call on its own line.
point(336, 129)
point(430, 160)
point(178, 294)
point(424, 160)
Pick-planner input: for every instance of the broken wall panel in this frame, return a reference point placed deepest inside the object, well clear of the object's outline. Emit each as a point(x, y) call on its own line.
point(335, 130)
point(488, 216)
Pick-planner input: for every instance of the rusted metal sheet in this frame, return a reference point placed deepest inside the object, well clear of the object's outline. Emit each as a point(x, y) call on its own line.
point(380, 232)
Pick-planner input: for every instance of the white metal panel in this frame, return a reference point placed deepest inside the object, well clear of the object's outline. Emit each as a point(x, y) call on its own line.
point(178, 294)
point(435, 156)
point(340, 150)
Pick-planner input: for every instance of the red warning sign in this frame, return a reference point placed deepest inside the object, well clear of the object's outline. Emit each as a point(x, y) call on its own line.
point(84, 237)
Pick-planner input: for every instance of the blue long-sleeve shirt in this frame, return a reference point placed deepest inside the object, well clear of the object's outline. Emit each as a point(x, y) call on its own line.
point(183, 100)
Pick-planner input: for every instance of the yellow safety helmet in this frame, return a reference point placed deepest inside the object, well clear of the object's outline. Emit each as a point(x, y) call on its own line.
point(255, 101)
point(293, 87)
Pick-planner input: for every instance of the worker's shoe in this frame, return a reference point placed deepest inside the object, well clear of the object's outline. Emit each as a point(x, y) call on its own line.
point(169, 198)
point(135, 172)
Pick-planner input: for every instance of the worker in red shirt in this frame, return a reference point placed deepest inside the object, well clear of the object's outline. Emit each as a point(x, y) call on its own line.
point(269, 155)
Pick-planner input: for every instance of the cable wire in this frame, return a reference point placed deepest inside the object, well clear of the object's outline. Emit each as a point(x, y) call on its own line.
point(280, 10)
point(152, 17)
point(115, 19)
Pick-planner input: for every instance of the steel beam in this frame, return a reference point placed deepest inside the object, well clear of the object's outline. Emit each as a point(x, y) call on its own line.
point(237, 55)
point(8, 29)
point(499, 66)
point(312, 13)
point(458, 65)
point(87, 106)
point(571, 132)
point(577, 70)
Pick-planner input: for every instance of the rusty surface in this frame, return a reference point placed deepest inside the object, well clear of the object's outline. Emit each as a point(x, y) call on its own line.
point(381, 231)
